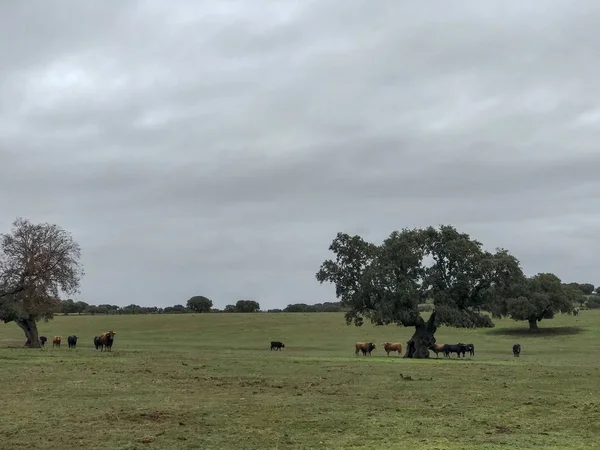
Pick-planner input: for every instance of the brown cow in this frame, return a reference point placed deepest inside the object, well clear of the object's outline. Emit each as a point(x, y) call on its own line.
point(365, 348)
point(392, 347)
point(106, 340)
point(56, 341)
point(437, 348)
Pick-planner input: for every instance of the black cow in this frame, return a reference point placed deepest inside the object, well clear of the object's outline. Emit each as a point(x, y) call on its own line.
point(277, 345)
point(72, 341)
point(455, 348)
point(516, 349)
point(43, 340)
point(97, 342)
point(471, 349)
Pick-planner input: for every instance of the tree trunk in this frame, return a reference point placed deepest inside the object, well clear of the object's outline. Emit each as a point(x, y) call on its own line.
point(418, 346)
point(533, 324)
point(31, 333)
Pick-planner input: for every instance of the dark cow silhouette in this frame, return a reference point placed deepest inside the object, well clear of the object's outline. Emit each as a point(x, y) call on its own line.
point(106, 340)
point(517, 350)
point(277, 345)
point(72, 341)
point(455, 348)
point(97, 342)
point(365, 347)
point(471, 349)
point(43, 340)
point(576, 311)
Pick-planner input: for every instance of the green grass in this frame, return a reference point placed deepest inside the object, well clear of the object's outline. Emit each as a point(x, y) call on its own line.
point(210, 381)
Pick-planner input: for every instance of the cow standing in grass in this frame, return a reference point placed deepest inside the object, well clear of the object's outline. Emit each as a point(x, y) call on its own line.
point(437, 349)
point(43, 340)
point(105, 340)
point(471, 349)
point(365, 347)
point(56, 341)
point(277, 345)
point(576, 311)
point(517, 350)
point(72, 341)
point(392, 347)
point(455, 348)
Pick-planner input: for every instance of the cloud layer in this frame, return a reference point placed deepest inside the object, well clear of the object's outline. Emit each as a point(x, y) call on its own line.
point(216, 149)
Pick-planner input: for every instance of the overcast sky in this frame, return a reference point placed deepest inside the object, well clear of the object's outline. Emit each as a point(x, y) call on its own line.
point(216, 147)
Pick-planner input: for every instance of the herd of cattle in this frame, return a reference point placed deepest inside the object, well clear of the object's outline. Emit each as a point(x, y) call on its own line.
point(392, 347)
point(104, 341)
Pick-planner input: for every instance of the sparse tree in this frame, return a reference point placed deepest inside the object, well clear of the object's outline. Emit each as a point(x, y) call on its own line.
point(67, 306)
point(80, 307)
point(38, 263)
point(199, 304)
point(537, 298)
point(586, 288)
point(247, 306)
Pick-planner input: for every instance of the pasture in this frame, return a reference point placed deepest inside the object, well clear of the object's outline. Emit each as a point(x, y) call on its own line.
point(211, 382)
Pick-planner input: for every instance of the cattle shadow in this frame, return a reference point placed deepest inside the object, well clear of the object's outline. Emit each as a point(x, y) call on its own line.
point(540, 332)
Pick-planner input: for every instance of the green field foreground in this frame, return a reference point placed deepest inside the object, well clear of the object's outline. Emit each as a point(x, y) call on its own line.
point(210, 381)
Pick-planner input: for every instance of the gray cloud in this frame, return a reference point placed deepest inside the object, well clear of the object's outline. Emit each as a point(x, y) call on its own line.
point(217, 150)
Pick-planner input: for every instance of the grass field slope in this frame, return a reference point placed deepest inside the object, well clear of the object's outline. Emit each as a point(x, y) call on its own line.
point(211, 382)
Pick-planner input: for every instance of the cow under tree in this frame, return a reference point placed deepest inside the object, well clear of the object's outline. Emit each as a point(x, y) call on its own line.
point(365, 347)
point(432, 263)
point(392, 347)
point(437, 349)
point(455, 348)
point(471, 349)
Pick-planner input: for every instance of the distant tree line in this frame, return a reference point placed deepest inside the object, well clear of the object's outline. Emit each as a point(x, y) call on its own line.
point(196, 304)
point(316, 308)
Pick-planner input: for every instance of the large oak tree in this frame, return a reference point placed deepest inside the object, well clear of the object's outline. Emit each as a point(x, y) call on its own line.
point(38, 263)
point(385, 283)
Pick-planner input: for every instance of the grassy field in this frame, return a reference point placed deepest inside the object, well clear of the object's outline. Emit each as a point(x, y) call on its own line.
point(210, 382)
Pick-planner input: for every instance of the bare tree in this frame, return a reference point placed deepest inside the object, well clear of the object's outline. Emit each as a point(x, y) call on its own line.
point(38, 263)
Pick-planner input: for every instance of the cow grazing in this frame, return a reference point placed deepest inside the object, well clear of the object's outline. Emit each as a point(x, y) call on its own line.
point(72, 341)
point(576, 311)
point(365, 347)
point(43, 340)
point(277, 345)
point(392, 347)
point(455, 348)
point(106, 340)
point(471, 349)
point(437, 348)
point(517, 350)
point(56, 341)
